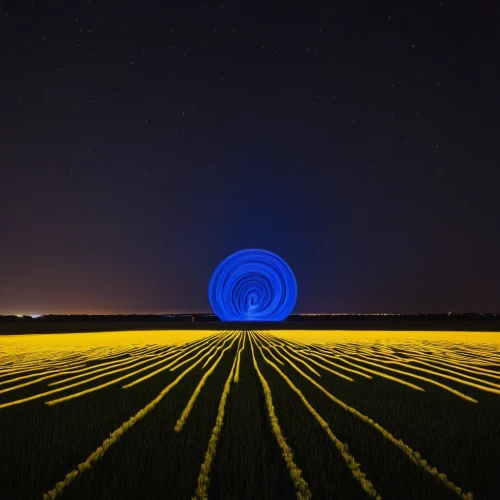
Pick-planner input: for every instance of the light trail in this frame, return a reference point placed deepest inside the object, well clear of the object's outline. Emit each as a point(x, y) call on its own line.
point(341, 447)
point(302, 490)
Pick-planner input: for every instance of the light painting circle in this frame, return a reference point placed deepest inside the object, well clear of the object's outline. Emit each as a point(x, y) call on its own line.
point(252, 285)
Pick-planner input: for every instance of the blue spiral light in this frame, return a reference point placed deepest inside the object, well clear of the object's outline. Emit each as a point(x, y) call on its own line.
point(252, 285)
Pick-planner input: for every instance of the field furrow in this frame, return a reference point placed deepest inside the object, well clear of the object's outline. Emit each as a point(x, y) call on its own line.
point(250, 414)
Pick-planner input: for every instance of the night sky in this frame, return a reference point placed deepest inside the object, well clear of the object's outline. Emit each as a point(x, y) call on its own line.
point(141, 145)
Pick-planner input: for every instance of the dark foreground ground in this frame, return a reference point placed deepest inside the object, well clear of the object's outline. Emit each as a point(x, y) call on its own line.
point(97, 324)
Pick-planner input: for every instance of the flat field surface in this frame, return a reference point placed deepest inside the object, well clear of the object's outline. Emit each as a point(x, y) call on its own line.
point(250, 414)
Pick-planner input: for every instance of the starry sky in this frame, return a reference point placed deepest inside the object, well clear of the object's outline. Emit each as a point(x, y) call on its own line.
point(142, 144)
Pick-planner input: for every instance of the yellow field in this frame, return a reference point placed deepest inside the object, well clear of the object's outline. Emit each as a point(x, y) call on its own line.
point(63, 367)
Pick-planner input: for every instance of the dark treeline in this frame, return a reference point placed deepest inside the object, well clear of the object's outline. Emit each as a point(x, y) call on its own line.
point(202, 318)
point(86, 318)
point(54, 323)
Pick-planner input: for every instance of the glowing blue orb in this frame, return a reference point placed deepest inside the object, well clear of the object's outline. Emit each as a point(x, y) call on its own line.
point(253, 285)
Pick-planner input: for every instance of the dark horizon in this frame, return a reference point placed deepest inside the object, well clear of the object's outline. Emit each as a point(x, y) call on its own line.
point(211, 314)
point(160, 312)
